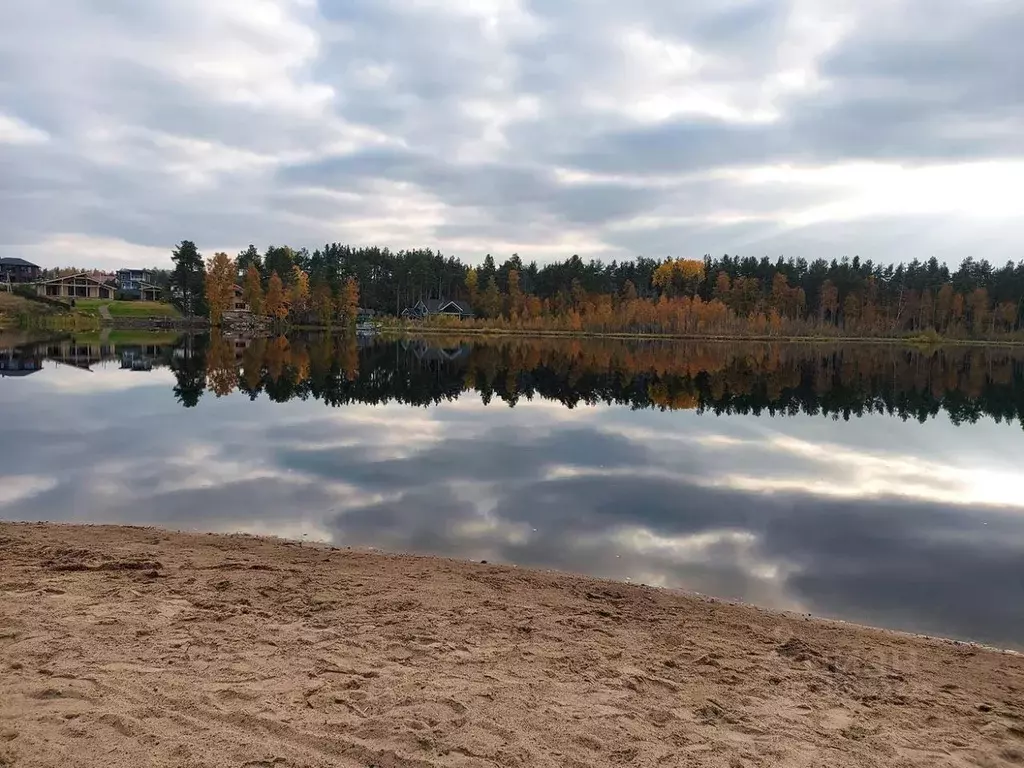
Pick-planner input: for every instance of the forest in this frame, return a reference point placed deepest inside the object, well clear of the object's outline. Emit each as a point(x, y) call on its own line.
point(710, 296)
point(834, 381)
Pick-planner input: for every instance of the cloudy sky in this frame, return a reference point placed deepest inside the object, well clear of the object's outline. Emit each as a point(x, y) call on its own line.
point(885, 128)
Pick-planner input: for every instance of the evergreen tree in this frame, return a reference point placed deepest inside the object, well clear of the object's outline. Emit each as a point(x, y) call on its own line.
point(250, 257)
point(279, 259)
point(188, 280)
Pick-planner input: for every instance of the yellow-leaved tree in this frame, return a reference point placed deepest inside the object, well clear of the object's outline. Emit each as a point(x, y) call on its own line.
point(679, 277)
point(299, 291)
point(473, 286)
point(252, 291)
point(323, 304)
point(220, 286)
point(348, 306)
point(274, 305)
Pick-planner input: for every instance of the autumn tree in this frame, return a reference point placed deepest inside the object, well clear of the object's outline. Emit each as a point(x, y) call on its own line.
point(679, 277)
point(828, 304)
point(221, 368)
point(978, 304)
point(490, 301)
point(348, 305)
point(298, 291)
point(1006, 313)
point(472, 286)
point(515, 294)
point(723, 287)
point(274, 305)
point(252, 290)
point(220, 286)
point(323, 304)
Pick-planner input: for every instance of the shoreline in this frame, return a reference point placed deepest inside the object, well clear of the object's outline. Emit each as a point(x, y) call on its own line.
point(124, 646)
point(413, 332)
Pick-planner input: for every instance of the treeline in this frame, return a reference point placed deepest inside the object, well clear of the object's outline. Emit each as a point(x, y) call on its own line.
point(277, 288)
point(727, 295)
point(838, 382)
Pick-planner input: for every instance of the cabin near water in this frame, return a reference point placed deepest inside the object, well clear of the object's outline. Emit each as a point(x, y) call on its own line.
point(425, 308)
point(77, 286)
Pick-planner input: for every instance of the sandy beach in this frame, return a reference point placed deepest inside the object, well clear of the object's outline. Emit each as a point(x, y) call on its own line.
point(141, 647)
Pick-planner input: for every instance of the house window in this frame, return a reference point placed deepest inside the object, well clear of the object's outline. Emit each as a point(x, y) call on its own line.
point(53, 290)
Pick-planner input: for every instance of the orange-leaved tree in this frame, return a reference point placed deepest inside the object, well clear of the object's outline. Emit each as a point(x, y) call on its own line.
point(252, 290)
point(275, 305)
point(299, 290)
point(349, 304)
point(323, 304)
point(220, 286)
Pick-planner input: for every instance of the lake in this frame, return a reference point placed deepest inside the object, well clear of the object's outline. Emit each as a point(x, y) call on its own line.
point(872, 483)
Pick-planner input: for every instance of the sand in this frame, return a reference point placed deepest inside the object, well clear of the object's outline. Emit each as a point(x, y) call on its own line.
point(141, 647)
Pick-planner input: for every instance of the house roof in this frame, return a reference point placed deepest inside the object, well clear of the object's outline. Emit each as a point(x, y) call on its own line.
point(11, 261)
point(439, 305)
point(85, 275)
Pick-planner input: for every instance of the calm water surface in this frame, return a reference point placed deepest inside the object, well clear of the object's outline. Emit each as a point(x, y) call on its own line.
point(867, 483)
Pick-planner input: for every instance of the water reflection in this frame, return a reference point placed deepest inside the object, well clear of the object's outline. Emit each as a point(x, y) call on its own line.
point(612, 461)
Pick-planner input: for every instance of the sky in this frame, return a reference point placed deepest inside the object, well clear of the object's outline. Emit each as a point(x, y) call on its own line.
point(889, 129)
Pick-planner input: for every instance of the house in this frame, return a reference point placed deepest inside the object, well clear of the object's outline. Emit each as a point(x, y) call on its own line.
point(19, 361)
point(78, 286)
point(18, 271)
point(132, 280)
point(238, 302)
point(79, 354)
point(432, 307)
point(149, 292)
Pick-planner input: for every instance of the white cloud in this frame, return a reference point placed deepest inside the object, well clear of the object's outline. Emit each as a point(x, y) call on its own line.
point(544, 128)
point(18, 132)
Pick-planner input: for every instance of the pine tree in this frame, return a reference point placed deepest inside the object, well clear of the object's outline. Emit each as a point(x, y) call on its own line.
point(250, 257)
point(187, 280)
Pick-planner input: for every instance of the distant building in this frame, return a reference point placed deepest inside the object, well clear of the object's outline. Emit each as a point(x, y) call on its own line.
point(238, 302)
point(19, 361)
point(149, 292)
point(132, 280)
point(18, 271)
point(431, 307)
point(78, 286)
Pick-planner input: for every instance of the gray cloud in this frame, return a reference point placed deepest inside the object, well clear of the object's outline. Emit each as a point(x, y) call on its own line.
point(544, 127)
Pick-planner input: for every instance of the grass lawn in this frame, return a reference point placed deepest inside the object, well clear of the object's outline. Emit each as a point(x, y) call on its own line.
point(128, 308)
